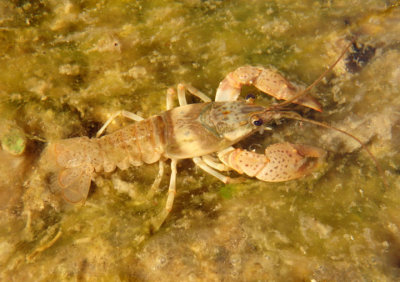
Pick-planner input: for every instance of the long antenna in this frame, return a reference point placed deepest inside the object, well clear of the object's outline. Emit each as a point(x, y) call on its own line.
point(293, 115)
point(304, 92)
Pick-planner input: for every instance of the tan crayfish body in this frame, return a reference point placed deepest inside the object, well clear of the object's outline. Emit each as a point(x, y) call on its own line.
point(184, 132)
point(203, 132)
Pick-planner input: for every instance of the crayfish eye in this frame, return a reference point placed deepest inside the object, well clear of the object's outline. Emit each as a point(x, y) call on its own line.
point(250, 98)
point(257, 121)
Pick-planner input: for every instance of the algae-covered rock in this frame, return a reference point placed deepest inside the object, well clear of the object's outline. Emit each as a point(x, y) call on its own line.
point(67, 66)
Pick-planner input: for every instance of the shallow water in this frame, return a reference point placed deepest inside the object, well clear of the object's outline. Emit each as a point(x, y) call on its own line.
point(66, 66)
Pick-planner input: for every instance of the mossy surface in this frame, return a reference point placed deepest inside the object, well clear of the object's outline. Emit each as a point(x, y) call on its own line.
point(66, 66)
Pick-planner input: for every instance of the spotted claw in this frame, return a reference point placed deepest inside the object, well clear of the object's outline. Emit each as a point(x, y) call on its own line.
point(281, 162)
point(266, 80)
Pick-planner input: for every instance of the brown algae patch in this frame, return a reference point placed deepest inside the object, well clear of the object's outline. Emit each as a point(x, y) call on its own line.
point(66, 66)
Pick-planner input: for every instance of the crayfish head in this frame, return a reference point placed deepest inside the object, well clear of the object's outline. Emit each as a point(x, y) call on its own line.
point(235, 120)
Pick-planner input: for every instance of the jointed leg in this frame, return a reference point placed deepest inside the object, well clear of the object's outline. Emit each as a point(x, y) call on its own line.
point(172, 187)
point(170, 98)
point(160, 218)
point(181, 94)
point(123, 113)
point(182, 97)
point(214, 163)
point(158, 179)
point(198, 161)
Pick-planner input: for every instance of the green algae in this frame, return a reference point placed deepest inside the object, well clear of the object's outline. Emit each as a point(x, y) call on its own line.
point(66, 66)
point(12, 138)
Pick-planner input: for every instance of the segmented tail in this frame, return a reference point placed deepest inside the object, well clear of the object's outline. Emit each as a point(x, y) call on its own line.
point(71, 165)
